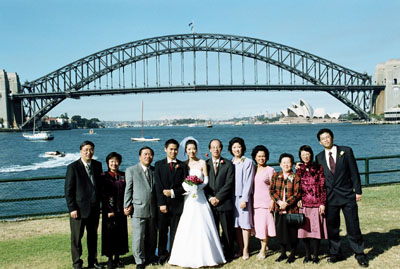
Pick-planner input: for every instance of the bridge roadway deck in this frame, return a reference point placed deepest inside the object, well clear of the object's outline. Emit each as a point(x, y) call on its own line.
point(198, 88)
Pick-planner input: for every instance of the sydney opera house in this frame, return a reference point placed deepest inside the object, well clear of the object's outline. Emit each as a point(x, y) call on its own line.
point(304, 110)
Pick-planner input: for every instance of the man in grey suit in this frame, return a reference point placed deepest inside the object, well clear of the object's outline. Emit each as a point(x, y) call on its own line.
point(140, 202)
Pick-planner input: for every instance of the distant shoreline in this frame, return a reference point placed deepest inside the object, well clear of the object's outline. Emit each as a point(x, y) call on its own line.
point(293, 121)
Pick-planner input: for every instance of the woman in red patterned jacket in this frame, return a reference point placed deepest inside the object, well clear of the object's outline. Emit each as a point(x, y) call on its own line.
point(285, 191)
point(312, 203)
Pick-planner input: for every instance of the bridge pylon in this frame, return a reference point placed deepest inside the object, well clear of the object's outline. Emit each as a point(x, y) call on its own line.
point(10, 110)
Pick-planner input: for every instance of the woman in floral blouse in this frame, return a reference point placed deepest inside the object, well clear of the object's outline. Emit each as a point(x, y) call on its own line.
point(312, 203)
point(285, 191)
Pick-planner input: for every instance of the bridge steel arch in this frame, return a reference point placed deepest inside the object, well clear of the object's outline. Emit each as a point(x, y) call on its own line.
point(352, 88)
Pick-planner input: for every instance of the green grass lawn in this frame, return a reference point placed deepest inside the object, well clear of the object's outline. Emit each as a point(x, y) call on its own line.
point(23, 244)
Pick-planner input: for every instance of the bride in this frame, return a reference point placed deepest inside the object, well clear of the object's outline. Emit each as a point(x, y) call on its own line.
point(196, 241)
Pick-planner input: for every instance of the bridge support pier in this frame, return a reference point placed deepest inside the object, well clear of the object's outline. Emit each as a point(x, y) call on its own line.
point(10, 111)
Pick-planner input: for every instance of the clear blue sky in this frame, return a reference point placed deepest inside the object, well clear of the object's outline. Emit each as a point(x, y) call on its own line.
point(37, 37)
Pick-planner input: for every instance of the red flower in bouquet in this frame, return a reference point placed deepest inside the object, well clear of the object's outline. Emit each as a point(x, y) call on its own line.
point(193, 180)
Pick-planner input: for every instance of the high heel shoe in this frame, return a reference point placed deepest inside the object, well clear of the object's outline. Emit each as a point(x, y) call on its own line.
point(245, 256)
point(281, 258)
point(260, 256)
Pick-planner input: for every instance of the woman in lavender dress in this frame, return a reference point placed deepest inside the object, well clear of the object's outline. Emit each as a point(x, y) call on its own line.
point(114, 231)
point(244, 176)
point(264, 225)
point(312, 203)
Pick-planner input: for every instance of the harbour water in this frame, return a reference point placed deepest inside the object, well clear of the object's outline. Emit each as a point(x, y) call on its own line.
point(23, 159)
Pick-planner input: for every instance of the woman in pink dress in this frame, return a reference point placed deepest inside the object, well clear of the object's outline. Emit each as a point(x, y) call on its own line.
point(262, 203)
point(312, 203)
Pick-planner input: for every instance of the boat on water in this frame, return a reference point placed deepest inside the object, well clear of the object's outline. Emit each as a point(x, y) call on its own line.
point(54, 154)
point(144, 138)
point(209, 124)
point(38, 135)
point(239, 123)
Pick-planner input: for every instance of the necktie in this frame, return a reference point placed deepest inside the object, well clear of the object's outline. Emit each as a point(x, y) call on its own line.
point(146, 172)
point(90, 173)
point(332, 164)
point(216, 166)
point(171, 166)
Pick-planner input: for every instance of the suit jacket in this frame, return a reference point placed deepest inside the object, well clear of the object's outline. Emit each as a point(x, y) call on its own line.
point(221, 184)
point(78, 186)
point(292, 191)
point(167, 179)
point(140, 192)
point(345, 183)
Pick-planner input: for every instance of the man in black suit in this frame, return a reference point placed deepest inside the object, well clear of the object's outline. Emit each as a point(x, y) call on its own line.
point(169, 174)
point(82, 192)
point(219, 193)
point(343, 192)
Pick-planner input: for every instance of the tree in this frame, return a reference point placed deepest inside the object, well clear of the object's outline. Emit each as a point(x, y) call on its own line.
point(85, 123)
point(64, 116)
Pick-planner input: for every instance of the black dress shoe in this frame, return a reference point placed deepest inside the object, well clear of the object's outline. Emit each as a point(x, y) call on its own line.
point(95, 266)
point(307, 259)
point(140, 266)
point(162, 260)
point(315, 260)
point(110, 264)
point(281, 258)
point(153, 260)
point(291, 259)
point(362, 260)
point(334, 258)
point(119, 264)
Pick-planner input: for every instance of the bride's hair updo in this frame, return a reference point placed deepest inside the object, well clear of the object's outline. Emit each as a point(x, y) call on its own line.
point(190, 142)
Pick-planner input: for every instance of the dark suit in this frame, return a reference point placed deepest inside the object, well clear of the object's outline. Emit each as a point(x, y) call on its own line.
point(165, 179)
point(221, 186)
point(342, 187)
point(82, 196)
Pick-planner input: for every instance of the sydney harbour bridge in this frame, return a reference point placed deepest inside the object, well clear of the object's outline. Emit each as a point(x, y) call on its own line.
point(196, 62)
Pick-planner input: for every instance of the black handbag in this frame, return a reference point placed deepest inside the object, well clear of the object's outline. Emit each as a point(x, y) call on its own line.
point(296, 219)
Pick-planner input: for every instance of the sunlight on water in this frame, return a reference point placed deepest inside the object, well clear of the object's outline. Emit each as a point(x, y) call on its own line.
point(48, 162)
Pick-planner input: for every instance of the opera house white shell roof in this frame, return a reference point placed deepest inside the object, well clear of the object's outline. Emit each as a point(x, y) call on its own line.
point(303, 109)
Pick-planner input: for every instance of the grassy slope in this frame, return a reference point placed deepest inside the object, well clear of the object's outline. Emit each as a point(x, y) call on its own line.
point(24, 244)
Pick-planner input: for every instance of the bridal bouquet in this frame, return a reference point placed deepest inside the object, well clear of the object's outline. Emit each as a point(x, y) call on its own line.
point(192, 182)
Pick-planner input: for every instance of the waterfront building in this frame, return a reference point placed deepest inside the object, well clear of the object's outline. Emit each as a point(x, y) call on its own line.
point(388, 102)
point(306, 111)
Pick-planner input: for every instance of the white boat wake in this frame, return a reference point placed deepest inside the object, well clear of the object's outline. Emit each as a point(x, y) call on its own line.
point(51, 162)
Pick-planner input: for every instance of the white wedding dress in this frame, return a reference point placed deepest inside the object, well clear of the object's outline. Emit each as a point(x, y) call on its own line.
point(196, 242)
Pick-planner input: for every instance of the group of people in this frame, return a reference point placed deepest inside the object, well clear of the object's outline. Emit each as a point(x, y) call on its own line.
point(210, 222)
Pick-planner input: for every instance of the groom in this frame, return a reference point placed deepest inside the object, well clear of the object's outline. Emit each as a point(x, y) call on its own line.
point(343, 186)
point(219, 192)
point(169, 175)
